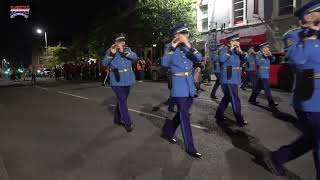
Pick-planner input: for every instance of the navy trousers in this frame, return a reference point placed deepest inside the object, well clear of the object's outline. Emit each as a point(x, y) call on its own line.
point(182, 118)
point(259, 85)
point(121, 114)
point(248, 79)
point(230, 92)
point(216, 85)
point(309, 140)
point(171, 104)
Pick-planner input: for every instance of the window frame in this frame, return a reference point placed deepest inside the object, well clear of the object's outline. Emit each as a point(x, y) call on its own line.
point(280, 13)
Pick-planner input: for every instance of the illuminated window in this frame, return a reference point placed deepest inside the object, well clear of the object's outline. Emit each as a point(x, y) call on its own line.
point(285, 7)
point(238, 11)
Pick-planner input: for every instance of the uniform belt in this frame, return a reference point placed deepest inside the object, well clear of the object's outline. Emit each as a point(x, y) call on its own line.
point(182, 74)
point(264, 67)
point(316, 75)
point(235, 68)
point(125, 70)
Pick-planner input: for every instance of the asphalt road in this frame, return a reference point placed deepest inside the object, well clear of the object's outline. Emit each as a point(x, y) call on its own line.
point(65, 131)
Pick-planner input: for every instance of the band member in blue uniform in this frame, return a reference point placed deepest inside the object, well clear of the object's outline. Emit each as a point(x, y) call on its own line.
point(250, 60)
point(119, 59)
point(179, 57)
point(263, 59)
point(216, 70)
point(304, 55)
point(230, 79)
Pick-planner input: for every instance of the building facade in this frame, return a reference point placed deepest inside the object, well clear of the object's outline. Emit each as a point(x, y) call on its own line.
point(256, 21)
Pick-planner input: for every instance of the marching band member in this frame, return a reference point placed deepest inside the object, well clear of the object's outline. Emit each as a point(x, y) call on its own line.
point(230, 79)
point(179, 57)
point(303, 46)
point(119, 59)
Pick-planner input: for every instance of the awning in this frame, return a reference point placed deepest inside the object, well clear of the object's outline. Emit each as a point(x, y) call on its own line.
point(250, 40)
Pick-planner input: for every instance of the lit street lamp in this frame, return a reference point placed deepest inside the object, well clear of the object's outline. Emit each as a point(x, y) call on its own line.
point(40, 31)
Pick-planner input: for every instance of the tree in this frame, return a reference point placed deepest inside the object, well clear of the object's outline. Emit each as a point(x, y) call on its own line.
point(56, 55)
point(158, 17)
point(148, 23)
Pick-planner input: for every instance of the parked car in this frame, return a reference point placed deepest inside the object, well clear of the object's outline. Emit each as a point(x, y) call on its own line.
point(158, 72)
point(44, 72)
point(47, 72)
point(281, 74)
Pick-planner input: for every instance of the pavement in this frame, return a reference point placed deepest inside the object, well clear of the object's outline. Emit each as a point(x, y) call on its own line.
point(65, 131)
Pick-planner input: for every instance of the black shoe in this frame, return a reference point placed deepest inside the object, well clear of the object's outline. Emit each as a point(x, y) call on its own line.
point(254, 102)
point(220, 119)
point(129, 128)
point(171, 140)
point(171, 110)
point(275, 167)
point(194, 154)
point(274, 104)
point(118, 123)
point(242, 123)
point(214, 97)
point(166, 103)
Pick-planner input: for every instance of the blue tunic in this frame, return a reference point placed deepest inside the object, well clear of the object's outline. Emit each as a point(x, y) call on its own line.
point(180, 60)
point(263, 65)
point(215, 62)
point(305, 54)
point(122, 62)
point(250, 59)
point(230, 58)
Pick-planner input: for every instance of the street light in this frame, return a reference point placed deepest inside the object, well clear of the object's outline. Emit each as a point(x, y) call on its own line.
point(40, 31)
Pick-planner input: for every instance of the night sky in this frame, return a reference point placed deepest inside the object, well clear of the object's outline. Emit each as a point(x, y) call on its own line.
point(61, 19)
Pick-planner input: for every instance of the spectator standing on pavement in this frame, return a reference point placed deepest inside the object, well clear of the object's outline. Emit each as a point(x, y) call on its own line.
point(303, 53)
point(56, 73)
point(140, 65)
point(33, 75)
point(207, 70)
point(148, 65)
point(197, 77)
point(179, 57)
point(119, 58)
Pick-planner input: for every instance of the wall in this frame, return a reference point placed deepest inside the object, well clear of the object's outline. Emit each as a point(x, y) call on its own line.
point(221, 12)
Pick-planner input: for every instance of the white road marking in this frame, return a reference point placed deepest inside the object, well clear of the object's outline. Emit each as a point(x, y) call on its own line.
point(81, 97)
point(46, 89)
point(3, 170)
point(160, 117)
point(199, 127)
